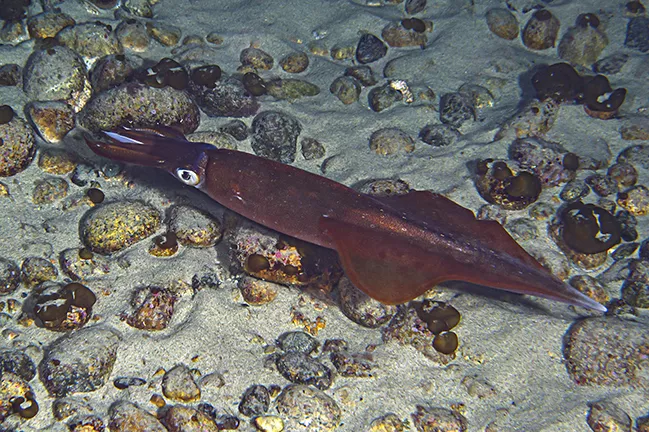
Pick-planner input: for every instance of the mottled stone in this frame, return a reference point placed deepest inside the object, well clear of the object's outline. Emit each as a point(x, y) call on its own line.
point(346, 89)
point(502, 23)
point(153, 308)
point(300, 368)
point(52, 120)
point(17, 146)
point(79, 362)
point(306, 409)
point(90, 40)
point(637, 34)
point(274, 136)
point(48, 23)
point(9, 276)
point(36, 270)
point(49, 189)
point(114, 226)
point(296, 62)
point(194, 228)
point(17, 362)
point(228, 98)
point(297, 341)
point(361, 308)
point(607, 351)
point(178, 384)
point(255, 401)
point(389, 141)
point(606, 416)
point(186, 419)
point(138, 105)
point(437, 419)
point(370, 49)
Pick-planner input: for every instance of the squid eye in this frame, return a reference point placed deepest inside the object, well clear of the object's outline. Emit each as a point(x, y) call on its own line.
point(188, 177)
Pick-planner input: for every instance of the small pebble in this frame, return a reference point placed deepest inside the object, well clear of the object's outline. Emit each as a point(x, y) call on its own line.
point(235, 128)
point(455, 109)
point(297, 341)
point(388, 423)
point(295, 62)
point(153, 308)
point(390, 141)
point(255, 401)
point(351, 365)
point(115, 226)
point(194, 228)
point(17, 143)
point(363, 74)
point(140, 105)
point(306, 409)
point(603, 185)
point(347, 89)
point(257, 292)
point(502, 23)
point(596, 349)
point(122, 383)
point(90, 40)
point(624, 174)
point(291, 89)
point(361, 308)
point(224, 98)
point(132, 34)
point(583, 43)
point(591, 287)
point(269, 424)
point(168, 35)
point(383, 97)
point(180, 418)
point(413, 7)
point(256, 58)
point(403, 34)
point(217, 139)
point(47, 24)
point(17, 362)
point(10, 75)
point(439, 135)
point(52, 120)
point(49, 190)
point(274, 136)
point(178, 384)
point(300, 368)
point(637, 34)
point(57, 162)
point(479, 387)
point(635, 200)
point(606, 416)
point(312, 148)
point(79, 362)
point(574, 190)
point(435, 419)
point(36, 270)
point(541, 30)
point(370, 49)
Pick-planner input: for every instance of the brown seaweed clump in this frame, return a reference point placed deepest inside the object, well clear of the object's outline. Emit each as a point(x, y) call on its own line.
point(499, 185)
point(562, 83)
point(588, 228)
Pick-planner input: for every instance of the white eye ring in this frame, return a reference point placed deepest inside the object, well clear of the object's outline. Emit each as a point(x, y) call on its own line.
point(188, 177)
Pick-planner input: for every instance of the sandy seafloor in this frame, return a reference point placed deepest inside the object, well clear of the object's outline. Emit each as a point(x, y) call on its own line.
point(514, 343)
